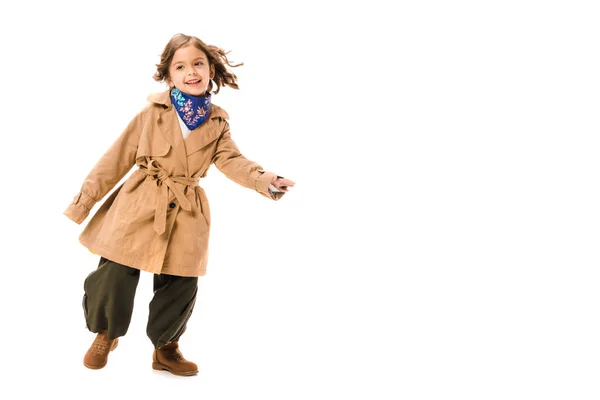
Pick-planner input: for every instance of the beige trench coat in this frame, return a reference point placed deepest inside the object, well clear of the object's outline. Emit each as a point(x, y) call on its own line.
point(158, 220)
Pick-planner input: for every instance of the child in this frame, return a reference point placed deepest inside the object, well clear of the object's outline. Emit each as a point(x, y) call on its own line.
point(158, 220)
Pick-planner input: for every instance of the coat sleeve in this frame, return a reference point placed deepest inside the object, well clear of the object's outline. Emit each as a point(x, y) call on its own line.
point(108, 171)
point(230, 161)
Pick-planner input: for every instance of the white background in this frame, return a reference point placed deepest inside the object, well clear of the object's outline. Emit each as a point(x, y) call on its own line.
point(442, 239)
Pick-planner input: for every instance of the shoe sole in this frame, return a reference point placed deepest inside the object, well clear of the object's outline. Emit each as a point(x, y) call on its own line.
point(162, 367)
point(114, 346)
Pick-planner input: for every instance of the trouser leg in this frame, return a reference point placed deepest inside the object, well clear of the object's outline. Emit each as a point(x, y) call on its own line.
point(108, 298)
point(170, 308)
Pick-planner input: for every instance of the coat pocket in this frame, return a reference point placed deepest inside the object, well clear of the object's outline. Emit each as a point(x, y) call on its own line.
point(134, 191)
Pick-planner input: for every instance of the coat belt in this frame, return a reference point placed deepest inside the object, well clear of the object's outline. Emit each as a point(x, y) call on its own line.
point(167, 182)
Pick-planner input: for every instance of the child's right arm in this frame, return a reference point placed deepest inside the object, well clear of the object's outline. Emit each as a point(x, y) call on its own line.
point(107, 172)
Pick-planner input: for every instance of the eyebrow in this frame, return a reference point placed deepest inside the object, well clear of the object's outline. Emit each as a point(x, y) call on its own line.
point(196, 59)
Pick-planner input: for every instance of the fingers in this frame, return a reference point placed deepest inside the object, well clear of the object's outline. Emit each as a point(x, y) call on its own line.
point(283, 184)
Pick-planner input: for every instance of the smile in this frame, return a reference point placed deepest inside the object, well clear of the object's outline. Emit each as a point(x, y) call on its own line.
point(193, 82)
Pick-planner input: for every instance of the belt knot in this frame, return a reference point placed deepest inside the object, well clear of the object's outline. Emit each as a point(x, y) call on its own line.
point(167, 182)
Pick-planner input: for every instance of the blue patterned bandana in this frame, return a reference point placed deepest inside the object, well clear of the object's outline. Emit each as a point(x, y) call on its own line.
point(192, 110)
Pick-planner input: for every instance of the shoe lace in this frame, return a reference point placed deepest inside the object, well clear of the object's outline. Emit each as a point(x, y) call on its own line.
point(100, 346)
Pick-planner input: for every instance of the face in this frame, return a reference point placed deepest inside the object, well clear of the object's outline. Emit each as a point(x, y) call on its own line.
point(189, 71)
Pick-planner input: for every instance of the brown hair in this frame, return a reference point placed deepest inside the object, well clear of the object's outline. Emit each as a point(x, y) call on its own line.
point(217, 57)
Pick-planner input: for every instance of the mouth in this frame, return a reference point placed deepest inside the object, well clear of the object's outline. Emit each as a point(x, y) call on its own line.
point(193, 82)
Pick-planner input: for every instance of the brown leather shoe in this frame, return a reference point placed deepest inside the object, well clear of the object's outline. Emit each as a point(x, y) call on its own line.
point(169, 358)
point(97, 355)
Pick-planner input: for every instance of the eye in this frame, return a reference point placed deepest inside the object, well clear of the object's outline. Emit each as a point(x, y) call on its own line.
point(199, 63)
point(179, 67)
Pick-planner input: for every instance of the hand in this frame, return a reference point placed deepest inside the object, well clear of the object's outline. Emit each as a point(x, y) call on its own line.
point(282, 184)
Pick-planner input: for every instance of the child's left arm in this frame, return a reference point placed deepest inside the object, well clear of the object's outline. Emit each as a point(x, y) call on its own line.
point(230, 161)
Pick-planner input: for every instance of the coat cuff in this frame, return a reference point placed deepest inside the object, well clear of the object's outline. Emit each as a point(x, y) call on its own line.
point(262, 186)
point(80, 208)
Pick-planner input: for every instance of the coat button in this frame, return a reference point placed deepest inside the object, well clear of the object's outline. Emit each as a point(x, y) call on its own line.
point(171, 205)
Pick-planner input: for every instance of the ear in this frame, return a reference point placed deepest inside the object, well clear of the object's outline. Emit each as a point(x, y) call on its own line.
point(212, 71)
point(169, 82)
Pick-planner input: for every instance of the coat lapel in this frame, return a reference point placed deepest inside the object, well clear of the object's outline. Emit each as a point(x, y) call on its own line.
point(169, 127)
point(200, 137)
point(206, 133)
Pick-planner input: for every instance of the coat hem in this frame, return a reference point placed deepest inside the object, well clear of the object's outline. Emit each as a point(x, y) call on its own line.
point(133, 262)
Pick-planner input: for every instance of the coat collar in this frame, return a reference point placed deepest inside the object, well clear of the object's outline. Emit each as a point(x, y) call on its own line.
point(198, 138)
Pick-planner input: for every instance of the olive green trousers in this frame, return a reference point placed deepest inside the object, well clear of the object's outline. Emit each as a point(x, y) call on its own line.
point(108, 300)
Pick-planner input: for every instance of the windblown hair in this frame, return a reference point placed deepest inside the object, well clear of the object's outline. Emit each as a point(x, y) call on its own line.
point(217, 57)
